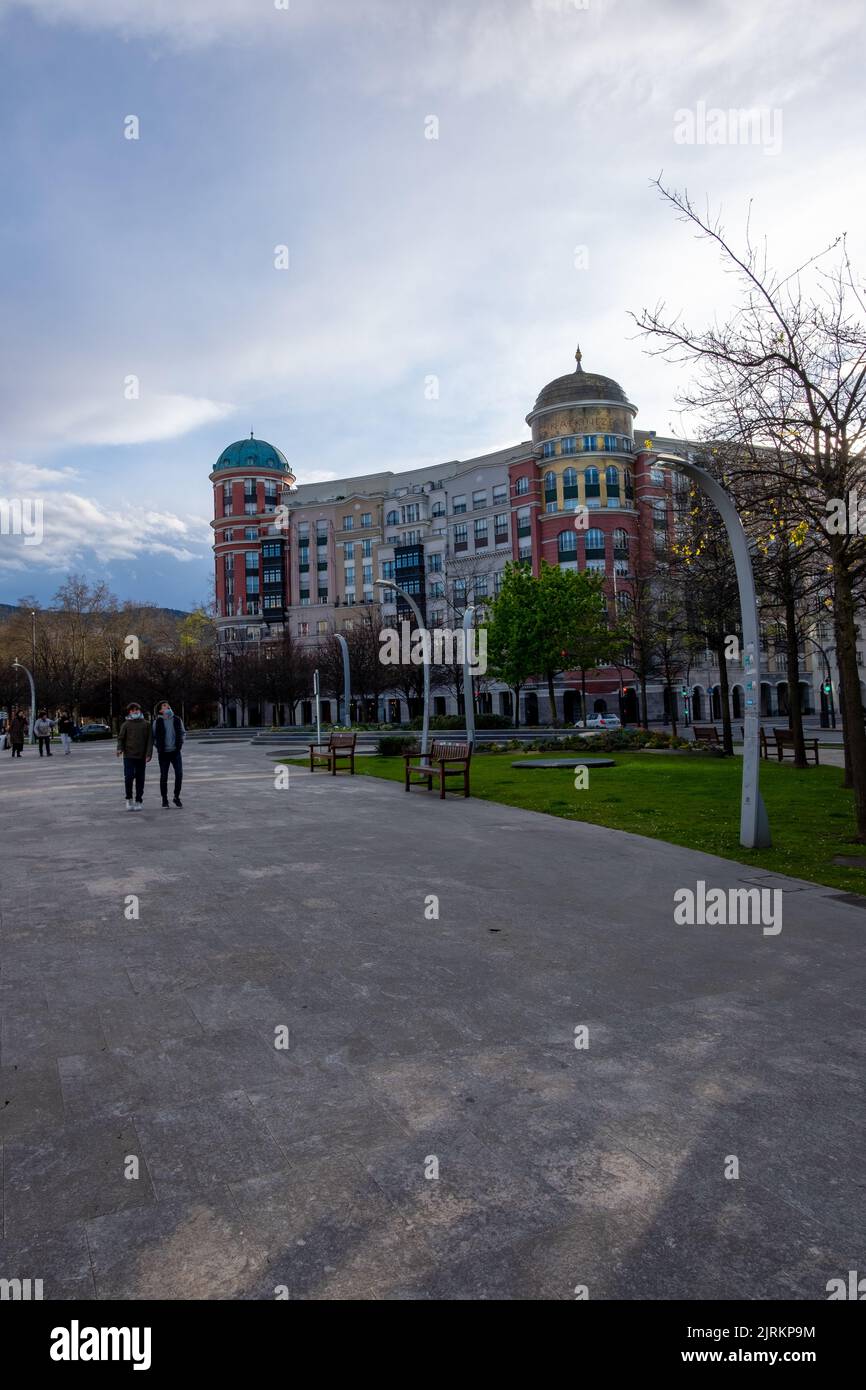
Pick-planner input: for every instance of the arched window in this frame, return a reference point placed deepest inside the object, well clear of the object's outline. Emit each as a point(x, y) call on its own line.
point(611, 477)
point(594, 544)
point(566, 544)
point(620, 543)
point(569, 489)
point(392, 519)
point(550, 484)
point(592, 489)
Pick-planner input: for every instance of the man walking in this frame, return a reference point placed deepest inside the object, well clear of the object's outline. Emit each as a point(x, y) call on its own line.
point(66, 729)
point(168, 735)
point(135, 746)
point(17, 732)
point(43, 729)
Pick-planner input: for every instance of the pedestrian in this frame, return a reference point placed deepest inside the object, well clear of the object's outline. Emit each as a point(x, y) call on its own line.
point(135, 745)
point(168, 735)
point(17, 732)
point(66, 730)
point(43, 729)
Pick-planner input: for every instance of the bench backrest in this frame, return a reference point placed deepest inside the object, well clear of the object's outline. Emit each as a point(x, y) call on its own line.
point(783, 735)
point(450, 750)
point(342, 740)
point(705, 733)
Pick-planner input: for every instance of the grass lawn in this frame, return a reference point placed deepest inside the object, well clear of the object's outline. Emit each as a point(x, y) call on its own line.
point(684, 799)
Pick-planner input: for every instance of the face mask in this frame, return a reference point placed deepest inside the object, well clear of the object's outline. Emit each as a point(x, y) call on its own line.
point(135, 714)
point(166, 714)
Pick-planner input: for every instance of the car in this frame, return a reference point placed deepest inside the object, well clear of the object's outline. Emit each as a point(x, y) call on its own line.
point(600, 721)
point(89, 731)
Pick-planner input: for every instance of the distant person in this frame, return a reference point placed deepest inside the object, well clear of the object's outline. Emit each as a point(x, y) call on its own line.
point(66, 730)
point(135, 745)
point(17, 732)
point(168, 735)
point(43, 729)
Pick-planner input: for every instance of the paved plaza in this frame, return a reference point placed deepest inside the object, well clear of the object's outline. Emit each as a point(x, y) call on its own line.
point(415, 1043)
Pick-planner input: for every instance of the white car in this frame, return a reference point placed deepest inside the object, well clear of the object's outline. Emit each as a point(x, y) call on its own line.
point(600, 721)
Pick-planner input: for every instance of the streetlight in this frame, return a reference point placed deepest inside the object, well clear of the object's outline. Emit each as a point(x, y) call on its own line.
point(754, 825)
point(347, 689)
point(16, 666)
point(425, 725)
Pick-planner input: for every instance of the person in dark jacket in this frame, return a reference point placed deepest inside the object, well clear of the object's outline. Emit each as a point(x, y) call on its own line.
point(66, 730)
point(168, 735)
point(17, 732)
point(135, 746)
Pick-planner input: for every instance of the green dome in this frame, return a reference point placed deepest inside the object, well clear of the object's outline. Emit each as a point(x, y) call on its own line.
point(255, 454)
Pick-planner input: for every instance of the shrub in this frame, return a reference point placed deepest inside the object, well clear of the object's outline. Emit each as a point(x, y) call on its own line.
point(394, 746)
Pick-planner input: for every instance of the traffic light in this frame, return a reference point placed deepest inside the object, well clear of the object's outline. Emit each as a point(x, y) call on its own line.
point(828, 689)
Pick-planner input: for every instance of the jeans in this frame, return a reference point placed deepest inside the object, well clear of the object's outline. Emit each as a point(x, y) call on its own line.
point(46, 740)
point(66, 741)
point(167, 760)
point(133, 771)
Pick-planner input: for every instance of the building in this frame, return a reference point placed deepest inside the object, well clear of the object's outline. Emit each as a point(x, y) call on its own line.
point(309, 556)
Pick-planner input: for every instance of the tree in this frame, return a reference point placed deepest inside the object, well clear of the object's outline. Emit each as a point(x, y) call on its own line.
point(783, 383)
point(512, 631)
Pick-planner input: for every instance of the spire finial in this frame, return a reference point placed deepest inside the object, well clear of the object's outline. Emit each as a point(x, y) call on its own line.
point(578, 357)
point(251, 434)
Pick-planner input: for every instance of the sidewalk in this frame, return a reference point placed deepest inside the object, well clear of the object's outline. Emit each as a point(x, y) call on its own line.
point(415, 1041)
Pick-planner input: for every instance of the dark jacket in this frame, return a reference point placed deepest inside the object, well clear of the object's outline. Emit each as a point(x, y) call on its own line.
point(65, 725)
point(159, 733)
point(17, 729)
point(135, 739)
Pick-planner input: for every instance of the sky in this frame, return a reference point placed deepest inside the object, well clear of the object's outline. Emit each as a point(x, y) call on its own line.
point(464, 192)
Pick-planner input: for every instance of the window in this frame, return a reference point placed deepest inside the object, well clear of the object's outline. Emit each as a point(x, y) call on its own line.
point(611, 443)
point(436, 588)
point(434, 562)
point(566, 544)
point(549, 449)
point(500, 493)
point(321, 565)
point(227, 499)
point(366, 519)
point(322, 626)
point(459, 503)
point(500, 529)
point(272, 550)
point(368, 574)
point(348, 550)
point(481, 586)
point(479, 500)
point(438, 508)
point(629, 485)
point(591, 487)
point(273, 601)
point(228, 535)
point(461, 537)
point(660, 514)
point(657, 477)
point(595, 545)
point(620, 544)
point(304, 596)
point(524, 525)
point(303, 531)
point(323, 595)
point(569, 445)
point(251, 560)
point(303, 629)
point(611, 478)
point(251, 533)
point(569, 483)
point(366, 550)
point(392, 519)
point(459, 591)
point(348, 523)
point(524, 554)
point(589, 443)
point(250, 508)
point(252, 584)
point(550, 485)
point(497, 581)
point(350, 576)
point(412, 512)
point(388, 569)
point(273, 576)
point(521, 487)
point(481, 533)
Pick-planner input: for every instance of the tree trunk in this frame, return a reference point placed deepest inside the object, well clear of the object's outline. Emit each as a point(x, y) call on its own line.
point(725, 697)
point(644, 704)
point(792, 667)
point(516, 692)
point(672, 709)
point(583, 695)
point(552, 698)
point(852, 703)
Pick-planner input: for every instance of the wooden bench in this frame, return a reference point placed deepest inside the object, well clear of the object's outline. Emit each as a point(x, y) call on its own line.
point(338, 746)
point(705, 733)
point(763, 745)
point(785, 740)
point(440, 755)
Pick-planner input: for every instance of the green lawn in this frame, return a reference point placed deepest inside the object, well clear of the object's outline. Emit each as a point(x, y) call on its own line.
point(688, 800)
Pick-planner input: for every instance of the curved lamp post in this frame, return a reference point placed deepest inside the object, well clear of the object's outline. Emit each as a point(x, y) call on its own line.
point(347, 689)
point(17, 666)
point(754, 826)
point(468, 692)
point(425, 727)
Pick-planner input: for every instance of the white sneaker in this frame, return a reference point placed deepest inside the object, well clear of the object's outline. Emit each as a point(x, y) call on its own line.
point(137, 806)
point(130, 804)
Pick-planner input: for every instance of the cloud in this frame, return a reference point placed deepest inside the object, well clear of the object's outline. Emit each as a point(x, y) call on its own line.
point(75, 526)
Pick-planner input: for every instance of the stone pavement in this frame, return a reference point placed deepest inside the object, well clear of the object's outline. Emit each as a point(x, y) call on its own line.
point(413, 1041)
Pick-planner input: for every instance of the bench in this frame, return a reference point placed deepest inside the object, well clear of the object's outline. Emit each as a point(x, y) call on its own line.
point(440, 755)
point(763, 746)
point(785, 740)
point(338, 746)
point(705, 733)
